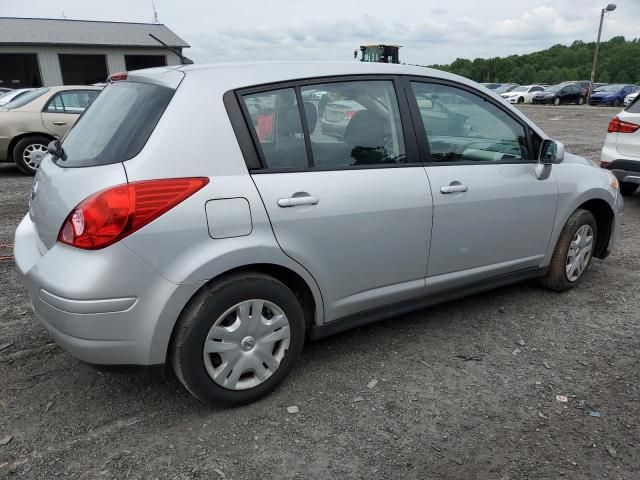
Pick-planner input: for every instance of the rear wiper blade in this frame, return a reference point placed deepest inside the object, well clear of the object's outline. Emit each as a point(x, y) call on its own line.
point(56, 150)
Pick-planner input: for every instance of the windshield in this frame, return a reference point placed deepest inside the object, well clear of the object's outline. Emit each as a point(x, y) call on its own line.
point(610, 88)
point(520, 89)
point(116, 125)
point(22, 100)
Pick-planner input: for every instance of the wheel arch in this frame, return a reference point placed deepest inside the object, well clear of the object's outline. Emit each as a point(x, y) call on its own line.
point(17, 138)
point(311, 304)
point(603, 214)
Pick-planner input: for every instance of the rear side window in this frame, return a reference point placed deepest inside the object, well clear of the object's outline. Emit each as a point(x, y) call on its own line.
point(634, 107)
point(72, 101)
point(276, 122)
point(117, 125)
point(349, 123)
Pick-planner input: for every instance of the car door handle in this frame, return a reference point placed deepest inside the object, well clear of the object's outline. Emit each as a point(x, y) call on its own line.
point(295, 201)
point(59, 122)
point(454, 188)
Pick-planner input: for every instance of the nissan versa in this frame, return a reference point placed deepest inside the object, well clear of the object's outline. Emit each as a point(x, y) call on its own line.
point(199, 215)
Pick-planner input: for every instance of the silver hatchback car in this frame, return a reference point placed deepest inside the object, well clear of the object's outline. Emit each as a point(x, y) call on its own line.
point(200, 216)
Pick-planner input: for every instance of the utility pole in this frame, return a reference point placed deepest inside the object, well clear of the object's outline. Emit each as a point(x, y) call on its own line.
point(609, 8)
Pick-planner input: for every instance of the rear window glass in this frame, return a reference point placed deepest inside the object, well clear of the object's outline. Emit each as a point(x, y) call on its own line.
point(116, 125)
point(634, 107)
point(29, 97)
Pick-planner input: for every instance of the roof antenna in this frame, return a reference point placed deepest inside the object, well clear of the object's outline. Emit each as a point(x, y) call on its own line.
point(63, 15)
point(155, 12)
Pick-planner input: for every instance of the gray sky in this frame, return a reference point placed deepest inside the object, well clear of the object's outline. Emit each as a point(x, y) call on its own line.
point(430, 31)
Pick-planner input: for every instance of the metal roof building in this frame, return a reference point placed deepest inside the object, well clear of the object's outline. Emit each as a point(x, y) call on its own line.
point(35, 52)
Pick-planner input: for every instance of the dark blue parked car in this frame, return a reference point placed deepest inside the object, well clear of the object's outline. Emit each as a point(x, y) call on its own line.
point(612, 95)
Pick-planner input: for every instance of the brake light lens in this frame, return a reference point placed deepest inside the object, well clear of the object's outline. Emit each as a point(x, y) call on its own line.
point(348, 115)
point(112, 214)
point(117, 77)
point(618, 126)
point(604, 163)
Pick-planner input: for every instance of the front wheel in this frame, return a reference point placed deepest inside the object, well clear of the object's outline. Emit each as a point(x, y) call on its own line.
point(556, 101)
point(238, 339)
point(573, 252)
point(29, 152)
point(581, 101)
point(628, 189)
point(520, 100)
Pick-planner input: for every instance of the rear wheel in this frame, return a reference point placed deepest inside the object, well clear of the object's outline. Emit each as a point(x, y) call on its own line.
point(628, 189)
point(556, 101)
point(238, 339)
point(29, 152)
point(573, 252)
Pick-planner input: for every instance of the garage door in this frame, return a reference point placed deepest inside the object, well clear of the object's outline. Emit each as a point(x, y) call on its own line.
point(19, 70)
point(83, 69)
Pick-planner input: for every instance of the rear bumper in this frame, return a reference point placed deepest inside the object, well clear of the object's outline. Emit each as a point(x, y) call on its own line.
point(627, 171)
point(103, 307)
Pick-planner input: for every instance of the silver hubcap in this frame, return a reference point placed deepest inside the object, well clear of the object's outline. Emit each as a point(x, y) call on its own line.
point(246, 344)
point(33, 155)
point(579, 252)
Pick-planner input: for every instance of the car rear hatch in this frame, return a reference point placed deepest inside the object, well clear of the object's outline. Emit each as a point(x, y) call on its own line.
point(112, 130)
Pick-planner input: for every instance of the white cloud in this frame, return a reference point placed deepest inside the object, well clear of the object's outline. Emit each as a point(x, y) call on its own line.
point(430, 31)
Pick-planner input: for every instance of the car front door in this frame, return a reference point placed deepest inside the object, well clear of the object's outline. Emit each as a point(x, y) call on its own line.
point(345, 192)
point(492, 215)
point(64, 108)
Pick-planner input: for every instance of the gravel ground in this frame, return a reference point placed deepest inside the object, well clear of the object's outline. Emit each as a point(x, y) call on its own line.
point(464, 390)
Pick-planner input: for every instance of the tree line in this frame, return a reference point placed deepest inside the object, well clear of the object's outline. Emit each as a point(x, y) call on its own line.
point(618, 62)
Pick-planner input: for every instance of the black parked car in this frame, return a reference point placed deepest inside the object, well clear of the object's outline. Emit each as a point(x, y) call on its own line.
point(559, 94)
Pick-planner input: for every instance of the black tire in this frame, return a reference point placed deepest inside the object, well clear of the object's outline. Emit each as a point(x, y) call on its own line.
point(617, 103)
point(19, 150)
point(520, 100)
point(187, 343)
point(581, 101)
point(556, 277)
point(628, 189)
point(556, 101)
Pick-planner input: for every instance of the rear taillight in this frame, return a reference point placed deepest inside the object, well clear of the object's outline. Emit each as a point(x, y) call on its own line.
point(604, 163)
point(618, 126)
point(110, 215)
point(348, 115)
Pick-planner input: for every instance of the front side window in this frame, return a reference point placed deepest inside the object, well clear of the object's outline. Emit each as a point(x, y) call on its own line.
point(72, 101)
point(463, 127)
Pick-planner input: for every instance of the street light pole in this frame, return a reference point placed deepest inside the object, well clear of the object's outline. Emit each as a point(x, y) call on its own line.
point(609, 8)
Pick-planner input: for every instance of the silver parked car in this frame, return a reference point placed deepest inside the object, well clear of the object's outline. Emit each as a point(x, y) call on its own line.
point(199, 216)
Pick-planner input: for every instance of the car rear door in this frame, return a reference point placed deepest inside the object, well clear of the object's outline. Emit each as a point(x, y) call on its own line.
point(492, 215)
point(349, 201)
point(64, 108)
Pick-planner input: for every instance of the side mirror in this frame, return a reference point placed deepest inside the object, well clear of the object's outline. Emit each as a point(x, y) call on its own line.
point(551, 152)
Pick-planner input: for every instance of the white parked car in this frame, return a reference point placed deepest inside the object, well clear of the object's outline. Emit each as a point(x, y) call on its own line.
point(621, 151)
point(13, 95)
point(522, 94)
point(630, 98)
